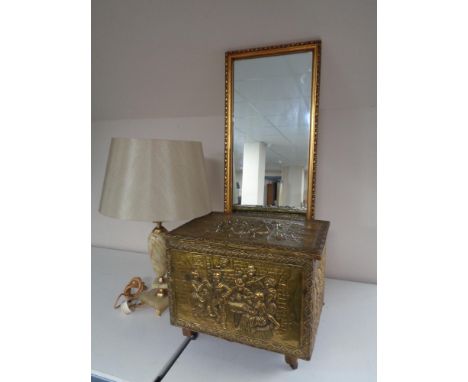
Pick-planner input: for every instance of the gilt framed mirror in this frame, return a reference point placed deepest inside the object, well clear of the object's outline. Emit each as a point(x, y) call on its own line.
point(271, 121)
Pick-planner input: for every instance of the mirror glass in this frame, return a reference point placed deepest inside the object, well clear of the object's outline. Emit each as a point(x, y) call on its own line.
point(271, 130)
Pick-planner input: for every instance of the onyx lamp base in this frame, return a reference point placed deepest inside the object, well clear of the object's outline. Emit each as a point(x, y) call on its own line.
point(159, 303)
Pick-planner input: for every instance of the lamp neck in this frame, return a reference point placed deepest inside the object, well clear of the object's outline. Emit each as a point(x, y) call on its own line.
point(159, 228)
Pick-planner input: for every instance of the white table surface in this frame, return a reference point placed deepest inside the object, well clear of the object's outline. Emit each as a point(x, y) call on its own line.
point(134, 348)
point(124, 347)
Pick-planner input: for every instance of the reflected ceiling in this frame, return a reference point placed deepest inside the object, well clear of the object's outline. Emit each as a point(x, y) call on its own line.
point(272, 105)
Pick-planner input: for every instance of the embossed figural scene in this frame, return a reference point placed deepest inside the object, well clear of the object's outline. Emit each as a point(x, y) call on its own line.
point(233, 296)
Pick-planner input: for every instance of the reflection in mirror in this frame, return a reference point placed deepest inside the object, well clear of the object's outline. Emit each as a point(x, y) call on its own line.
point(271, 127)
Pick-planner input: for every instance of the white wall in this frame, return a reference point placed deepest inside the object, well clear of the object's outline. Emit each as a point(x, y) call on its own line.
point(113, 233)
point(158, 71)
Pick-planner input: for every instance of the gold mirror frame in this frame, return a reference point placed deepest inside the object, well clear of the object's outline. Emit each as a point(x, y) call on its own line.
point(230, 57)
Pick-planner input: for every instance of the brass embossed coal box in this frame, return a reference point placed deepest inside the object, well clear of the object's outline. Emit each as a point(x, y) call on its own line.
point(252, 278)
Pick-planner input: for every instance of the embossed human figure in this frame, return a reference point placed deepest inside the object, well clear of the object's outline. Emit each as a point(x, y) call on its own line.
point(223, 267)
point(220, 292)
point(200, 294)
point(240, 297)
point(271, 294)
point(252, 281)
point(261, 318)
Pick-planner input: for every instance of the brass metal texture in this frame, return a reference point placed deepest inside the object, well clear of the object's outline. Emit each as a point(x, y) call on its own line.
point(230, 57)
point(255, 231)
point(252, 278)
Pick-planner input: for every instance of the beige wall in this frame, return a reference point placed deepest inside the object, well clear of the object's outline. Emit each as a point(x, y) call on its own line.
point(158, 72)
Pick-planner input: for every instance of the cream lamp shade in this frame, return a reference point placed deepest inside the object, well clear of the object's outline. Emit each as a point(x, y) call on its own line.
point(155, 180)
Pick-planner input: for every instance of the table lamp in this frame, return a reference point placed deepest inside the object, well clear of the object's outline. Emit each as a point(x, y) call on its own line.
point(157, 181)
